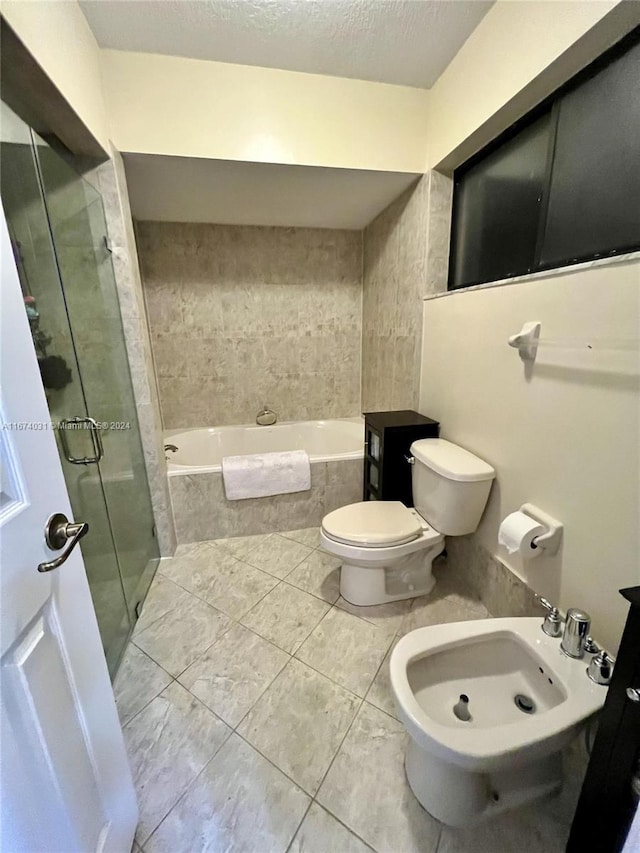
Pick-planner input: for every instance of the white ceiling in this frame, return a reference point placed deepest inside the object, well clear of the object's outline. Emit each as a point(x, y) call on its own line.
point(408, 42)
point(185, 189)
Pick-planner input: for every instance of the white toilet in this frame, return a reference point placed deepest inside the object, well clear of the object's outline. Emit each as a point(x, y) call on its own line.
point(387, 549)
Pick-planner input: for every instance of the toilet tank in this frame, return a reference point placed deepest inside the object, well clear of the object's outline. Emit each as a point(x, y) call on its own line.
point(450, 485)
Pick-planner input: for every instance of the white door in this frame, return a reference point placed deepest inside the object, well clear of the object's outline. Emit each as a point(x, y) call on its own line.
point(65, 779)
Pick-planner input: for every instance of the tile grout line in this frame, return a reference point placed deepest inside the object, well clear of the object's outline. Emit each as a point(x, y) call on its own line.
point(190, 785)
point(146, 704)
point(299, 826)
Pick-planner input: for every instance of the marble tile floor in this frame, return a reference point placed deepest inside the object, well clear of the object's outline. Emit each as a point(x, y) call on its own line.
point(258, 717)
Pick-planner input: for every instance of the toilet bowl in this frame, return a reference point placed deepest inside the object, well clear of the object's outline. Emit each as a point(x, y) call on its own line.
point(488, 705)
point(386, 548)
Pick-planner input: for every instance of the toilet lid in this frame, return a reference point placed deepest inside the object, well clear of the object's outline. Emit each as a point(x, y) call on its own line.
point(372, 523)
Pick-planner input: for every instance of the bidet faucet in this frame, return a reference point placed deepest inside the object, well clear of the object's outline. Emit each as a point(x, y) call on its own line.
point(552, 625)
point(575, 632)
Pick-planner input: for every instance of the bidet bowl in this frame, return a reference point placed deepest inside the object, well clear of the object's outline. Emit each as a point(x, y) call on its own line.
point(492, 661)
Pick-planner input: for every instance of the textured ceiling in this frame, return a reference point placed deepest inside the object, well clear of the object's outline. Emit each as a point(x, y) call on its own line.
point(407, 42)
point(187, 189)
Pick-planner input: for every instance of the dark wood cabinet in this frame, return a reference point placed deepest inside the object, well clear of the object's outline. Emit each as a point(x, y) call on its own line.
point(611, 787)
point(388, 438)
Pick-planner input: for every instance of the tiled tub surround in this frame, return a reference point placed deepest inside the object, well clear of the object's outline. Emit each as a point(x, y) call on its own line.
point(405, 258)
point(258, 716)
point(201, 510)
point(243, 317)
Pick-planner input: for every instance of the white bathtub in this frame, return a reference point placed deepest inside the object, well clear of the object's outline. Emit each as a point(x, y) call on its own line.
point(200, 507)
point(200, 451)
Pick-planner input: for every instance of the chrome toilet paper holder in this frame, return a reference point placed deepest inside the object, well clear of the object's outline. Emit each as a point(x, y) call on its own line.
point(549, 540)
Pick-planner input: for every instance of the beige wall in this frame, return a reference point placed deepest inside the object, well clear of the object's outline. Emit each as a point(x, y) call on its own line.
point(58, 37)
point(405, 252)
point(193, 108)
point(564, 438)
point(521, 52)
point(243, 317)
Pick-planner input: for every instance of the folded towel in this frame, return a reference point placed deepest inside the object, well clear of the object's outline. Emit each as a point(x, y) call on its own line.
point(263, 474)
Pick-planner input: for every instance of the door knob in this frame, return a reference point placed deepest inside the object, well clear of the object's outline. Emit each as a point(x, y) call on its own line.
point(58, 532)
point(633, 693)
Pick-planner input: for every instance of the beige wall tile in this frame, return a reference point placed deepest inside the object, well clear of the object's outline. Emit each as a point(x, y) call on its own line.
point(243, 317)
point(405, 257)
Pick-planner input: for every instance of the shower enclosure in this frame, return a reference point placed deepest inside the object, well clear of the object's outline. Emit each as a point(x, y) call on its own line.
point(58, 231)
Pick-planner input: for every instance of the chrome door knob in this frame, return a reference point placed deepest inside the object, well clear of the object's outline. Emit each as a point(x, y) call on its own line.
point(633, 694)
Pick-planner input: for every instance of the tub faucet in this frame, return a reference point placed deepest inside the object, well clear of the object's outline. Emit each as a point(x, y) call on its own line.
point(171, 447)
point(266, 417)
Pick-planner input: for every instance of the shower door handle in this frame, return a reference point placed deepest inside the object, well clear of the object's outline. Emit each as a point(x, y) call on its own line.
point(96, 440)
point(58, 532)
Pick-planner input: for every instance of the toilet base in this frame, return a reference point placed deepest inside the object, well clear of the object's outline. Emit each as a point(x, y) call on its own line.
point(407, 577)
point(459, 797)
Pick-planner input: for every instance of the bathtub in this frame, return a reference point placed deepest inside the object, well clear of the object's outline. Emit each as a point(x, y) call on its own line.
point(200, 508)
point(201, 450)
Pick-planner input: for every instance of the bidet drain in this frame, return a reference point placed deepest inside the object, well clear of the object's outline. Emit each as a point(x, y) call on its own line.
point(524, 703)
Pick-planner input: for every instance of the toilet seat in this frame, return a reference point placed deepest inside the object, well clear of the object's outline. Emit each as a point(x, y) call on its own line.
point(372, 524)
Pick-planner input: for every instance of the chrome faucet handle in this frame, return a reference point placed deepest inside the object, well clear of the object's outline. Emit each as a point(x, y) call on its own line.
point(600, 668)
point(576, 630)
point(552, 625)
point(591, 647)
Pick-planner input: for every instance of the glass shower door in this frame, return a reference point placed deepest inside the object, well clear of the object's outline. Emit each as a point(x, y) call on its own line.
point(78, 225)
point(44, 302)
point(57, 225)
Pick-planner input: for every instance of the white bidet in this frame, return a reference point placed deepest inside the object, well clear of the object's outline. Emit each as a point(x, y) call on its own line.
point(489, 705)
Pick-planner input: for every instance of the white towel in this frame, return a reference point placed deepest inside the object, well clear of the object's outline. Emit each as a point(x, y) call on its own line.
point(263, 474)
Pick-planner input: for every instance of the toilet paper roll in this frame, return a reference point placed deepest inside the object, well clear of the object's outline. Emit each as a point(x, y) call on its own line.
point(517, 533)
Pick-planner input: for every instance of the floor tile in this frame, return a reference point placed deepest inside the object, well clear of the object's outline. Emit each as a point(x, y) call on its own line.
point(162, 597)
point(240, 546)
point(309, 536)
point(278, 555)
point(231, 675)
point(196, 571)
point(169, 742)
point(320, 832)
point(235, 587)
point(432, 610)
point(380, 693)
point(176, 639)
point(388, 616)
point(212, 573)
point(139, 680)
point(240, 804)
point(286, 616)
point(318, 574)
point(299, 723)
point(347, 649)
point(506, 833)
point(367, 790)
point(193, 549)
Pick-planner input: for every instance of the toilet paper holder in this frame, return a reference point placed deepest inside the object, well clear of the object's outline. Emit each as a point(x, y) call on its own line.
point(551, 538)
